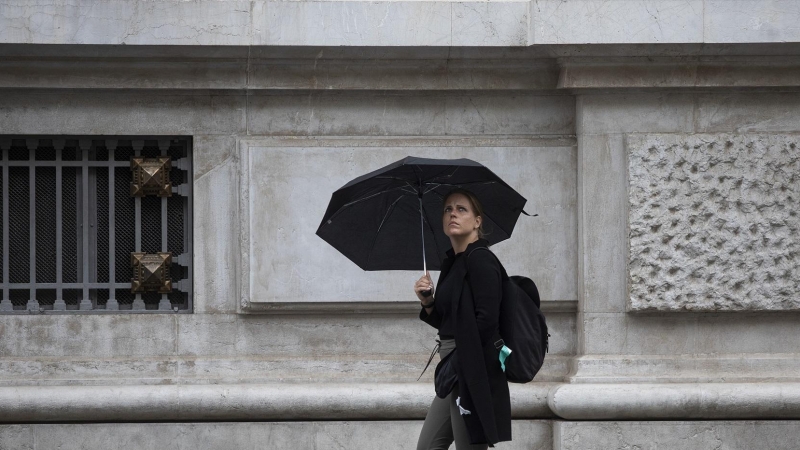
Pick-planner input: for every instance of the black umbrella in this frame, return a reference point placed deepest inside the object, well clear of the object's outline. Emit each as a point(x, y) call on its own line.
point(375, 219)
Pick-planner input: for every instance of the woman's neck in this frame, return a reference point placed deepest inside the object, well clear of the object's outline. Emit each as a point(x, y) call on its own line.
point(460, 243)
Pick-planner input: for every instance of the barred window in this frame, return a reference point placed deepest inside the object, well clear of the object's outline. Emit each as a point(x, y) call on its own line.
point(95, 224)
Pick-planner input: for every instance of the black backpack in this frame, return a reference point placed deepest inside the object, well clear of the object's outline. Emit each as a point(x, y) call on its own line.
point(522, 327)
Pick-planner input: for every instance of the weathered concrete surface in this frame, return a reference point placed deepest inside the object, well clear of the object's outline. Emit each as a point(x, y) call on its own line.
point(401, 435)
point(704, 435)
point(713, 222)
point(676, 401)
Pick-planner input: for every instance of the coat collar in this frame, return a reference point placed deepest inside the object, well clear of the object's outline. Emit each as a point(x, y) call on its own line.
point(470, 247)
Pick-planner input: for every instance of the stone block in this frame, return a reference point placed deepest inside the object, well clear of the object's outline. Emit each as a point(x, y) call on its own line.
point(602, 236)
point(126, 22)
point(288, 200)
point(346, 114)
point(766, 112)
point(352, 23)
point(696, 435)
point(700, 368)
point(490, 24)
point(123, 113)
point(617, 21)
point(635, 113)
point(510, 114)
point(87, 335)
point(17, 437)
point(401, 435)
point(630, 334)
point(216, 221)
point(727, 21)
point(713, 222)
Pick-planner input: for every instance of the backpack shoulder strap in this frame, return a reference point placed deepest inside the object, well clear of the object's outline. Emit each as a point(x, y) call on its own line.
point(502, 269)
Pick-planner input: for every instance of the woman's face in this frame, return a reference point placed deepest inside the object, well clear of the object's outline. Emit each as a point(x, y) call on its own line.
point(458, 217)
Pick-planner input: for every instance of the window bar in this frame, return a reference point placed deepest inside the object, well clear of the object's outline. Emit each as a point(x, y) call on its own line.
point(32, 144)
point(5, 303)
point(163, 304)
point(86, 302)
point(138, 303)
point(59, 304)
point(112, 303)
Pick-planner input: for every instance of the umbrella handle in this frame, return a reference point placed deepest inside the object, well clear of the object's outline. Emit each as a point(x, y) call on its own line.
point(424, 259)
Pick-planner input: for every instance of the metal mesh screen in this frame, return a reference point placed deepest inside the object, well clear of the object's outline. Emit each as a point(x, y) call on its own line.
point(124, 229)
point(69, 224)
point(45, 224)
point(102, 224)
point(73, 197)
point(19, 224)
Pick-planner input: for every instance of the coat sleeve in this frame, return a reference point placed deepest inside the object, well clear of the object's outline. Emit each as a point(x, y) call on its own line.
point(486, 283)
point(433, 319)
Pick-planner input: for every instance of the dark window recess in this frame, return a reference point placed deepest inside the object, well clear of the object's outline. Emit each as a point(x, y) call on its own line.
point(70, 224)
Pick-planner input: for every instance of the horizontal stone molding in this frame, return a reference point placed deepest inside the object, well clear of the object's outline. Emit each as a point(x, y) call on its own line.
point(679, 72)
point(400, 308)
point(280, 401)
point(713, 401)
point(391, 401)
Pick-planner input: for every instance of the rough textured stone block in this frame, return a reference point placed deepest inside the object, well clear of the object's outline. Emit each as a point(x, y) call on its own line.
point(714, 222)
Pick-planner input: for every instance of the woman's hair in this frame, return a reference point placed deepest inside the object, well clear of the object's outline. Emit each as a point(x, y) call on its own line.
point(477, 208)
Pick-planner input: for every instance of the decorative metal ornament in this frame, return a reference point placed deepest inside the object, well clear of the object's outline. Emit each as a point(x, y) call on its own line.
point(151, 272)
point(151, 176)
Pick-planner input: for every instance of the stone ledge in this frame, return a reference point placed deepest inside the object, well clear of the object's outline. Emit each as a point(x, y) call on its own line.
point(372, 401)
point(676, 401)
point(403, 308)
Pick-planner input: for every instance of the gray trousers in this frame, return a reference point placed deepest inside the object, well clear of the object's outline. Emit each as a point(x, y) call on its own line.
point(443, 423)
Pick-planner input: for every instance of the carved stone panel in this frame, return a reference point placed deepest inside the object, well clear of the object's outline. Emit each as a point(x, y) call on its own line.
point(713, 222)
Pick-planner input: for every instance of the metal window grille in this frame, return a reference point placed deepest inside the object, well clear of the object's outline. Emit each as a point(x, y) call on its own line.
point(70, 223)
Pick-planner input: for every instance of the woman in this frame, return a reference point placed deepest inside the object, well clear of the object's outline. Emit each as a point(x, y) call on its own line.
point(477, 412)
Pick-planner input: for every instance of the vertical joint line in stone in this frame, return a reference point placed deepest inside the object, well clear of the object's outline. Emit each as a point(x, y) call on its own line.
point(163, 146)
point(112, 303)
point(138, 303)
point(32, 145)
point(59, 304)
point(86, 303)
point(5, 303)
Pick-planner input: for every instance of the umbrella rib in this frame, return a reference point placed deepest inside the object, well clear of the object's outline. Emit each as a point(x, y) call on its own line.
point(430, 227)
point(349, 204)
point(380, 227)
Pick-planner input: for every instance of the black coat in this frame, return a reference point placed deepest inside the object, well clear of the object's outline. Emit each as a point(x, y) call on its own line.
point(476, 307)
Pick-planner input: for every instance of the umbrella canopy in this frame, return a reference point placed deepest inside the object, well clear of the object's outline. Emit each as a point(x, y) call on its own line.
point(379, 219)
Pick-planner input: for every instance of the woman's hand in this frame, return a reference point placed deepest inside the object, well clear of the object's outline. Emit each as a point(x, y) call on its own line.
point(424, 284)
